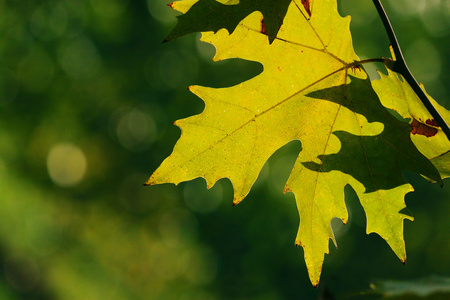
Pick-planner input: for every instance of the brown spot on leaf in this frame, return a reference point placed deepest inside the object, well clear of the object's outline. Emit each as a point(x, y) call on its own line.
point(263, 27)
point(432, 123)
point(236, 201)
point(307, 5)
point(422, 129)
point(279, 68)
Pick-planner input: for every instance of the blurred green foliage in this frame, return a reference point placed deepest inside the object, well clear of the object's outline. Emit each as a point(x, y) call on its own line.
point(88, 93)
point(433, 288)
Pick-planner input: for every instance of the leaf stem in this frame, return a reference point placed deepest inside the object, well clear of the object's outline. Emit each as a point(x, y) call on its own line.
point(366, 61)
point(401, 67)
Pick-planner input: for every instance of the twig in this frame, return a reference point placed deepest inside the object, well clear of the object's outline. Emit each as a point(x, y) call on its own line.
point(401, 67)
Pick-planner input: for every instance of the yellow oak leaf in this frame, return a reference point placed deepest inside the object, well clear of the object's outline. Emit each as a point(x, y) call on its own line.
point(312, 89)
point(395, 93)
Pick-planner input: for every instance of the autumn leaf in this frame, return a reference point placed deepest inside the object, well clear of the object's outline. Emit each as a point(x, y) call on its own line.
point(396, 94)
point(212, 15)
point(312, 89)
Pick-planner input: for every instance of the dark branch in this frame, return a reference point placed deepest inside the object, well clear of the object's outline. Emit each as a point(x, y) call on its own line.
point(401, 67)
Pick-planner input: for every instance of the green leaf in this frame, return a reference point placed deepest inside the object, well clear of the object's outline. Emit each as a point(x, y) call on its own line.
point(427, 288)
point(309, 91)
point(212, 15)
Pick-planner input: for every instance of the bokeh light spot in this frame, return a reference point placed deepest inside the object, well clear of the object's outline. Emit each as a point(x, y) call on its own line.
point(424, 60)
point(109, 8)
point(161, 12)
point(408, 8)
point(136, 130)
point(79, 58)
point(48, 21)
point(66, 165)
point(172, 69)
point(77, 17)
point(435, 21)
point(201, 200)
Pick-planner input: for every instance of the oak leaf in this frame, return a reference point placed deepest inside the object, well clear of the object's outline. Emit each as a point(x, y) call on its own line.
point(312, 90)
point(395, 93)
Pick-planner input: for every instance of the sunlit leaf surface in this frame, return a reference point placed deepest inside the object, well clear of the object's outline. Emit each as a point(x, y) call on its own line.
point(309, 91)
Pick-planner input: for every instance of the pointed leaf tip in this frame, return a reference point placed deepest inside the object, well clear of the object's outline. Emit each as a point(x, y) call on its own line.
point(149, 182)
point(236, 201)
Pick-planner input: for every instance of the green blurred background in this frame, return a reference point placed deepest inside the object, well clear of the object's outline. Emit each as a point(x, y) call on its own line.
point(88, 95)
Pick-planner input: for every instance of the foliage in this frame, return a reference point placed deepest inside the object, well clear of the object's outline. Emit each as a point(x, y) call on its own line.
point(312, 89)
point(432, 288)
point(397, 95)
point(94, 75)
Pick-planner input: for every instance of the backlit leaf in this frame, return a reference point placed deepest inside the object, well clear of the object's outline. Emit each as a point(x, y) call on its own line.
point(311, 90)
point(428, 137)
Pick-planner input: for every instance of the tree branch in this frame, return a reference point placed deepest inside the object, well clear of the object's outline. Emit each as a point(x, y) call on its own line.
point(401, 67)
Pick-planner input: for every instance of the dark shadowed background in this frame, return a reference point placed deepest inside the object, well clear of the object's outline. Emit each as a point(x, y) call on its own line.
point(88, 95)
